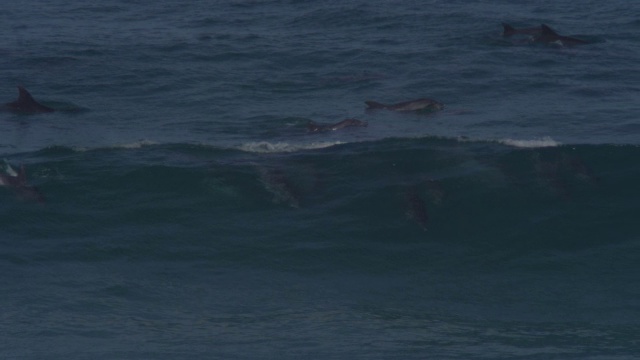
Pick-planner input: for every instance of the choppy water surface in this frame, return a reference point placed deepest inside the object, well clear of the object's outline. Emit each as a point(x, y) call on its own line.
point(189, 212)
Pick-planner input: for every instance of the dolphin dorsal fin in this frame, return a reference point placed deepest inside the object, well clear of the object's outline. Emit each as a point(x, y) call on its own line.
point(24, 97)
point(27, 104)
point(546, 30)
point(508, 29)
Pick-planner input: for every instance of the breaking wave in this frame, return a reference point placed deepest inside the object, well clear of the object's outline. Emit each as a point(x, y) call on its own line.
point(533, 143)
point(285, 147)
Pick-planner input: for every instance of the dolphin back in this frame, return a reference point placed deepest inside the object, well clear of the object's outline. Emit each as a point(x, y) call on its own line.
point(548, 35)
point(315, 127)
point(509, 30)
point(375, 105)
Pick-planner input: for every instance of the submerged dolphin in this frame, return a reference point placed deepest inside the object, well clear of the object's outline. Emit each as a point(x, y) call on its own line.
point(510, 30)
point(26, 104)
point(279, 184)
point(18, 182)
point(436, 191)
point(314, 127)
point(549, 36)
point(418, 105)
point(416, 208)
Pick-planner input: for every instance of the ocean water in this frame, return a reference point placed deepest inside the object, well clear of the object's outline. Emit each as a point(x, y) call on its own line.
point(189, 214)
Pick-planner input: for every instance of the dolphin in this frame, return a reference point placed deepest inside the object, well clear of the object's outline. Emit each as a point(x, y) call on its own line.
point(279, 184)
point(417, 209)
point(26, 104)
point(315, 127)
point(580, 169)
point(549, 36)
point(18, 182)
point(436, 191)
point(510, 30)
point(418, 105)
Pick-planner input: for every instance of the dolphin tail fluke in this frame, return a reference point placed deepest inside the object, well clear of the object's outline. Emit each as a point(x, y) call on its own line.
point(374, 105)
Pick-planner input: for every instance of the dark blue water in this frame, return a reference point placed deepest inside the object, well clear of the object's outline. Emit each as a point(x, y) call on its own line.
point(188, 213)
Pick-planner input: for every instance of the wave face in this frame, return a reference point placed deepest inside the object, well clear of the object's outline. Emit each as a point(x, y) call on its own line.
point(420, 235)
point(502, 194)
point(176, 204)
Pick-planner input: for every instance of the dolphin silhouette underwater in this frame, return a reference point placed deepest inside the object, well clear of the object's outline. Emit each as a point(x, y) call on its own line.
point(280, 185)
point(316, 128)
point(26, 104)
point(18, 182)
point(416, 208)
point(419, 106)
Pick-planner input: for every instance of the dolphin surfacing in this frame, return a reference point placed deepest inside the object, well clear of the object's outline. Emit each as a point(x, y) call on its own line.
point(315, 127)
point(509, 30)
point(549, 36)
point(26, 104)
point(18, 182)
point(419, 106)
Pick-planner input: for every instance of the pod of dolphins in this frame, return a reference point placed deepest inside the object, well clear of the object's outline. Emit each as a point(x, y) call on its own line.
point(276, 182)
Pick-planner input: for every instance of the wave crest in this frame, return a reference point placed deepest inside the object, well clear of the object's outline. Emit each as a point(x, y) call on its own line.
point(280, 147)
point(532, 143)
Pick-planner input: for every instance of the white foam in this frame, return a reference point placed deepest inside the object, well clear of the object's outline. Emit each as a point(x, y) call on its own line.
point(280, 147)
point(533, 143)
point(9, 170)
point(133, 145)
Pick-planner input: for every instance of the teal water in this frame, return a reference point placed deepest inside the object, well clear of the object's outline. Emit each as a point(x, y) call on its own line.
point(189, 213)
